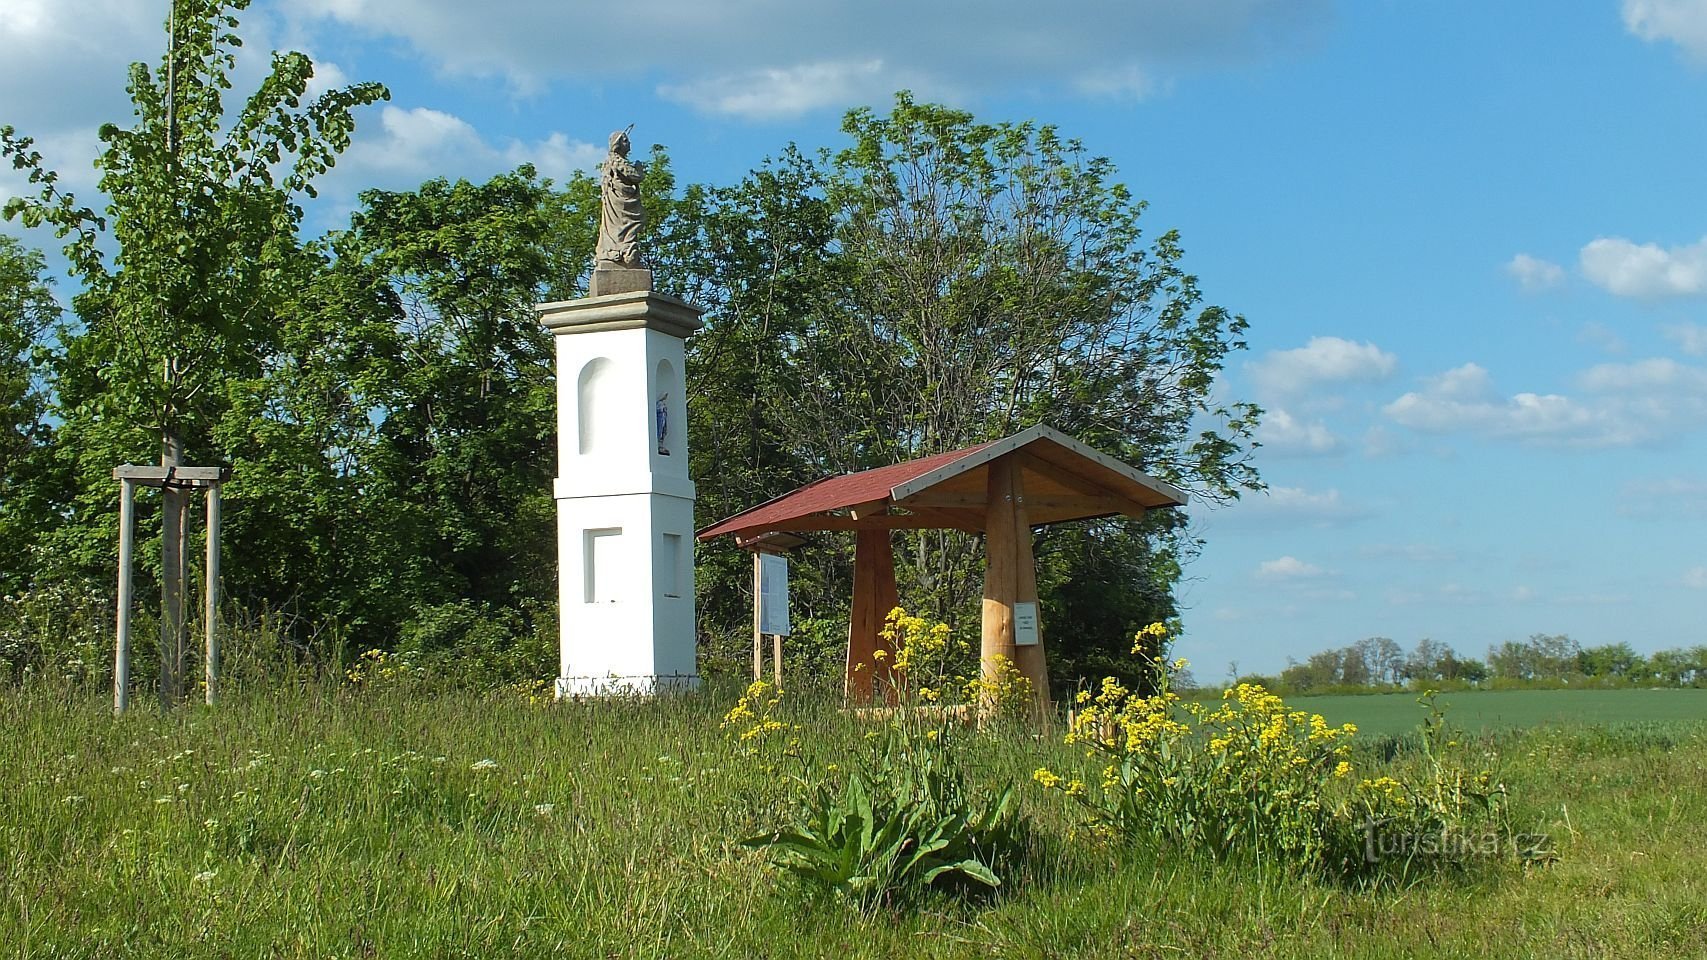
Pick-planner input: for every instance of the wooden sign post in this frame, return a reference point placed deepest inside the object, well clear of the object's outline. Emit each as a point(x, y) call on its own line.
point(770, 610)
point(770, 597)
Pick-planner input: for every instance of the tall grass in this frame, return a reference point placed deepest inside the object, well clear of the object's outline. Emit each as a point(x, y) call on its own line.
point(313, 820)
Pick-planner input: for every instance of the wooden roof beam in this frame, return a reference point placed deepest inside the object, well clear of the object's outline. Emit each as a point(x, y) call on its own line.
point(1095, 496)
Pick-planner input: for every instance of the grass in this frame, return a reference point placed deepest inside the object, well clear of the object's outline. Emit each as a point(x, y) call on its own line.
point(314, 822)
point(1396, 713)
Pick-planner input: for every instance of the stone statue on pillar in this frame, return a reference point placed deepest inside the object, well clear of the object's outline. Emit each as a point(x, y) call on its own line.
point(618, 266)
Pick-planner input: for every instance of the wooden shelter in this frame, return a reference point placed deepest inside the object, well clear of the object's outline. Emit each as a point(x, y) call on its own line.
point(1001, 489)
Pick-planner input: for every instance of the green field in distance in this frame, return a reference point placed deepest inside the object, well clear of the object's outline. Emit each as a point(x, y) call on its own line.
point(1476, 710)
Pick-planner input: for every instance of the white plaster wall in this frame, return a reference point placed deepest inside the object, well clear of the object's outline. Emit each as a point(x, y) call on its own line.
point(639, 638)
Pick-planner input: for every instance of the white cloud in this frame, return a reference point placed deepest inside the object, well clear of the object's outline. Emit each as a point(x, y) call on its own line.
point(327, 77)
point(1664, 497)
point(1378, 442)
point(1655, 377)
point(413, 144)
point(1601, 337)
point(1288, 568)
point(1122, 82)
point(1410, 553)
point(1295, 507)
point(556, 156)
point(1691, 338)
point(1322, 361)
point(1683, 22)
point(1281, 432)
point(60, 58)
point(726, 57)
point(1300, 500)
point(1627, 403)
point(70, 153)
point(1646, 271)
point(771, 93)
point(1464, 399)
point(1533, 273)
point(1695, 578)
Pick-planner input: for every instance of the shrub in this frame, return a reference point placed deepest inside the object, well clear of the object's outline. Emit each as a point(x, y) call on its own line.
point(1250, 778)
point(62, 633)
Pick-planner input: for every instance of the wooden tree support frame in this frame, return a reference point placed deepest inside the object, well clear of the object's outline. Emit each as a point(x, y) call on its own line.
point(167, 479)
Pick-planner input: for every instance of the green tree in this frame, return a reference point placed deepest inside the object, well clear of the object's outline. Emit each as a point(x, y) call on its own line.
point(458, 480)
point(201, 224)
point(1611, 660)
point(28, 313)
point(941, 282)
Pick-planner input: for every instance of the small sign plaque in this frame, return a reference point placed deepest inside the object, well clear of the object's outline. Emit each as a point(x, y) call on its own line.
point(773, 594)
point(1025, 624)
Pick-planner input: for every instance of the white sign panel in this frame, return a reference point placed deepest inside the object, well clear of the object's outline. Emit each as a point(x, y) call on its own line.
point(773, 594)
point(1025, 624)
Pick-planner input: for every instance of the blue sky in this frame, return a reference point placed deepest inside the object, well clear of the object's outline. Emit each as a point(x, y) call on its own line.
point(1471, 240)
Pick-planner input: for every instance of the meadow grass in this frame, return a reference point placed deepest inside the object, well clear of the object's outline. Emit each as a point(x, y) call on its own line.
point(331, 822)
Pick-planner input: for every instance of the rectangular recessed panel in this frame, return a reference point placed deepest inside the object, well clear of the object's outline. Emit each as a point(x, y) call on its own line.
point(602, 564)
point(672, 564)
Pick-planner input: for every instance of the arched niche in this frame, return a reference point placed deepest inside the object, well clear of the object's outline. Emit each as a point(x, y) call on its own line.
point(593, 411)
point(668, 410)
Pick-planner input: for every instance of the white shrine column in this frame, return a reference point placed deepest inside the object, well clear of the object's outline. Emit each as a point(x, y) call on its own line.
point(625, 534)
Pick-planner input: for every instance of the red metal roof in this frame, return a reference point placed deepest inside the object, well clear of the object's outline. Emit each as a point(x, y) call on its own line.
point(837, 493)
point(1064, 480)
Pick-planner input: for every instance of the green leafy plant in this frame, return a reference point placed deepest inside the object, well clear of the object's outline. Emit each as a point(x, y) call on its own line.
point(883, 836)
point(906, 818)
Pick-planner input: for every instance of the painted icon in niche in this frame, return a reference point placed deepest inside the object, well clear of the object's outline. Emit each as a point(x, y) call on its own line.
point(663, 418)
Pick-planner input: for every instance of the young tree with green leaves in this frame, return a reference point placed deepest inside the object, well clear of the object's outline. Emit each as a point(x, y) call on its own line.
point(187, 272)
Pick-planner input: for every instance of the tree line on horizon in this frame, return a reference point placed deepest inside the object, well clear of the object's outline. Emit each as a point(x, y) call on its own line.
point(384, 394)
point(1380, 663)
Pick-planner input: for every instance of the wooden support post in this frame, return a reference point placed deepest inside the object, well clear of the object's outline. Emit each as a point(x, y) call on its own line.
point(1029, 657)
point(1001, 580)
point(874, 595)
point(174, 521)
point(776, 657)
point(210, 592)
point(758, 630)
point(1010, 577)
point(127, 550)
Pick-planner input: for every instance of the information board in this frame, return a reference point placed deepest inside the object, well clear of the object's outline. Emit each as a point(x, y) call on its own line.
point(773, 594)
